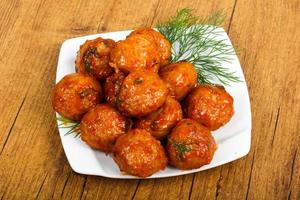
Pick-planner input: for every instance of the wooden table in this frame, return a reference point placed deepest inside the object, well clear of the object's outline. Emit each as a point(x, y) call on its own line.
point(32, 161)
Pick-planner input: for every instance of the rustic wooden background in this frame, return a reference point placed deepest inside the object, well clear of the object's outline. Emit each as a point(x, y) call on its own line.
point(32, 161)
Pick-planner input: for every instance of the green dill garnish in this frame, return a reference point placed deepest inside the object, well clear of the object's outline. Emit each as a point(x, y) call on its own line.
point(197, 40)
point(181, 149)
point(73, 126)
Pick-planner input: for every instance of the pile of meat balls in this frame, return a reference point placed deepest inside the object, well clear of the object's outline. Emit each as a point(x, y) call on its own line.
point(131, 102)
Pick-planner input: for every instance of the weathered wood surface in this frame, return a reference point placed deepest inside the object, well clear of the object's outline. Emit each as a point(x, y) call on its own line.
point(32, 161)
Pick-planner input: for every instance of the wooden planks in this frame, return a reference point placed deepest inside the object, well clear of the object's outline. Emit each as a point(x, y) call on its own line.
point(271, 65)
point(32, 159)
point(32, 162)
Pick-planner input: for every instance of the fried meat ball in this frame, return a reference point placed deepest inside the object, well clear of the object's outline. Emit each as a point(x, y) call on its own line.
point(160, 122)
point(141, 93)
point(163, 45)
point(93, 58)
point(101, 126)
point(180, 77)
point(112, 87)
point(210, 105)
point(139, 154)
point(190, 145)
point(76, 94)
point(134, 53)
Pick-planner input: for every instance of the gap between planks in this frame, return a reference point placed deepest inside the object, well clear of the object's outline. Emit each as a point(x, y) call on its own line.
point(191, 189)
point(155, 13)
point(65, 184)
point(136, 189)
point(13, 124)
point(231, 16)
point(293, 167)
point(276, 124)
point(40, 189)
point(250, 176)
point(218, 186)
point(83, 188)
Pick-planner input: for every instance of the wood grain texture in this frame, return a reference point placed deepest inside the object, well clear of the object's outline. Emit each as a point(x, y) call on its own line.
point(32, 161)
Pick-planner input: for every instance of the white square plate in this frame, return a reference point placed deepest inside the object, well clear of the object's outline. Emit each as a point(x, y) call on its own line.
point(233, 139)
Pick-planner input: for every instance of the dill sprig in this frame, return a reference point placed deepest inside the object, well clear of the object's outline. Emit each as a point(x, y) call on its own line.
point(197, 40)
point(73, 126)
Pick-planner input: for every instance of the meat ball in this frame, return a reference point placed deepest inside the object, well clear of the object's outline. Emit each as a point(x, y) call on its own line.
point(160, 122)
point(163, 45)
point(141, 93)
point(76, 94)
point(112, 87)
point(134, 53)
point(190, 145)
point(180, 77)
point(139, 154)
point(101, 126)
point(93, 58)
point(210, 105)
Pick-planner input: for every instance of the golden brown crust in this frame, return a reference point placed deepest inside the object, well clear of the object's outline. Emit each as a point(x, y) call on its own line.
point(180, 77)
point(141, 93)
point(139, 154)
point(136, 52)
point(75, 95)
point(112, 87)
point(93, 58)
point(210, 105)
point(101, 126)
point(160, 122)
point(190, 145)
point(163, 45)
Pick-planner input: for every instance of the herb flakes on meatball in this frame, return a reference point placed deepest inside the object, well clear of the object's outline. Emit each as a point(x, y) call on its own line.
point(141, 93)
point(76, 94)
point(190, 145)
point(93, 58)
